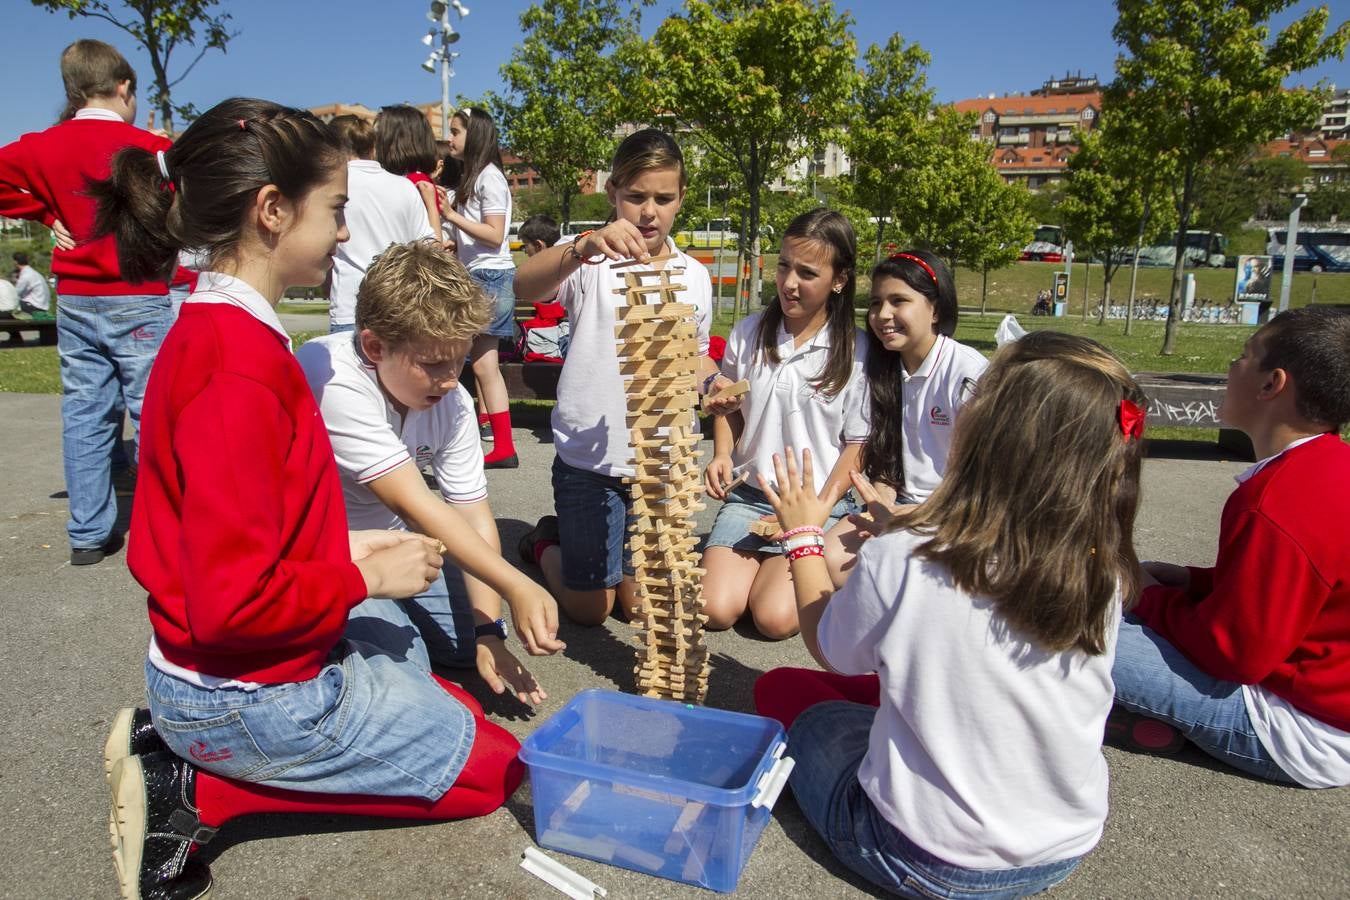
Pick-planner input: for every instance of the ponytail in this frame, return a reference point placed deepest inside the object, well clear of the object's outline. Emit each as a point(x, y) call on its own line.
point(135, 204)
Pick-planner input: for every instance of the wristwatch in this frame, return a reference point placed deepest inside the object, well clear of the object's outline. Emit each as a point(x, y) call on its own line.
point(495, 629)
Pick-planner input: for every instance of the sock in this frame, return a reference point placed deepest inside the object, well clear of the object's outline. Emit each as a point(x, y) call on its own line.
point(503, 444)
point(491, 775)
point(482, 419)
point(785, 693)
point(537, 551)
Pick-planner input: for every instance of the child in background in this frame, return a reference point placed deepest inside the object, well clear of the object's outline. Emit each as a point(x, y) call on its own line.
point(257, 703)
point(392, 404)
point(382, 209)
point(547, 335)
point(803, 357)
point(1250, 658)
point(538, 232)
point(109, 325)
point(405, 145)
point(479, 212)
point(585, 565)
point(970, 764)
point(918, 378)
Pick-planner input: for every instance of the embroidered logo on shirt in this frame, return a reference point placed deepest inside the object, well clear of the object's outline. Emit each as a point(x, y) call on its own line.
point(937, 417)
point(200, 752)
point(423, 455)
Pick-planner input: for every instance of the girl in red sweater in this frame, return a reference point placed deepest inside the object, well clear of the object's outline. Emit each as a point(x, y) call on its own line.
point(257, 702)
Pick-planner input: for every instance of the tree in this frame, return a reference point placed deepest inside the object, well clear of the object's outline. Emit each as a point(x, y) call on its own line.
point(1197, 81)
point(1000, 225)
point(161, 27)
point(1112, 201)
point(1249, 186)
point(564, 104)
point(761, 82)
point(890, 104)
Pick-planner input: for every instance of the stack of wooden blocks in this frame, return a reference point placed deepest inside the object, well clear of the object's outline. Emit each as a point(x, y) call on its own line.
point(658, 358)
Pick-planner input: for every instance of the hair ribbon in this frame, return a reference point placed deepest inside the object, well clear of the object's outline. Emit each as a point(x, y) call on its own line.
point(923, 265)
point(1131, 420)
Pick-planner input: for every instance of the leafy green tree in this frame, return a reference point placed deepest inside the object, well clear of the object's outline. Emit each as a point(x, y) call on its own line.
point(760, 81)
point(1199, 80)
point(891, 101)
point(1112, 201)
point(160, 27)
point(1249, 186)
point(999, 223)
point(563, 105)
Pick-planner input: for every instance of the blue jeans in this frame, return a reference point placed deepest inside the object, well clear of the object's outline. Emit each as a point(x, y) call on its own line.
point(107, 346)
point(828, 741)
point(1156, 680)
point(368, 723)
point(593, 510)
point(500, 285)
point(436, 626)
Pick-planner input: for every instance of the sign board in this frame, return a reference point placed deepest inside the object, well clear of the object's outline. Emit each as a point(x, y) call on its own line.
point(1253, 279)
point(1062, 286)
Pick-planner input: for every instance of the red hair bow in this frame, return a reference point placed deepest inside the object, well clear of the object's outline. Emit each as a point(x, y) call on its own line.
point(1131, 420)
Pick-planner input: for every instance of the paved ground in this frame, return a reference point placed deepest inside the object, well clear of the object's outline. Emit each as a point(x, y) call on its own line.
point(76, 640)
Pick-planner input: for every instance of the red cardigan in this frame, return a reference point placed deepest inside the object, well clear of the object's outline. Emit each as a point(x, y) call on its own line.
point(1275, 608)
point(238, 529)
point(44, 176)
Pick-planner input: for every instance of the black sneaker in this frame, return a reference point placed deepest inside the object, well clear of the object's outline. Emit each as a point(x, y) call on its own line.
point(546, 529)
point(485, 432)
point(153, 825)
point(506, 462)
point(88, 556)
point(132, 734)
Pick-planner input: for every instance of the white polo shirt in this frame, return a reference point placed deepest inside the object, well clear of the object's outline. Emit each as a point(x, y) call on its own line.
point(933, 396)
point(382, 209)
point(9, 296)
point(32, 288)
point(986, 748)
point(491, 196)
point(370, 439)
point(590, 420)
point(784, 409)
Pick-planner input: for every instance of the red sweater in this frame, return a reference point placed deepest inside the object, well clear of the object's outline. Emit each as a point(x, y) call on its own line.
point(1275, 609)
point(45, 175)
point(238, 531)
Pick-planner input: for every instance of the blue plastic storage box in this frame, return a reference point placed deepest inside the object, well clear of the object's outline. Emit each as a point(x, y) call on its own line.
point(677, 791)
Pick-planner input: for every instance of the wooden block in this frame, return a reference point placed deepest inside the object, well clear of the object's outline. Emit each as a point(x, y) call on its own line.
point(670, 366)
point(732, 390)
point(765, 528)
point(657, 331)
point(629, 263)
point(656, 311)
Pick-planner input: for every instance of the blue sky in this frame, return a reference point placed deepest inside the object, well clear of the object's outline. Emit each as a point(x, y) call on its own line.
point(308, 53)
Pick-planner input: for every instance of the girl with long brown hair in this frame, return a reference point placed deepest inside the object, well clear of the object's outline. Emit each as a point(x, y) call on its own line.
point(954, 745)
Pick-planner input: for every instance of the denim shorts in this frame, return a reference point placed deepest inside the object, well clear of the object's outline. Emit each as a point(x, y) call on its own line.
point(593, 511)
point(746, 505)
point(500, 285)
point(829, 741)
point(370, 723)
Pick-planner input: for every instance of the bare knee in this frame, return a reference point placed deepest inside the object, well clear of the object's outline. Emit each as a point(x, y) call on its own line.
point(722, 612)
point(586, 607)
point(777, 622)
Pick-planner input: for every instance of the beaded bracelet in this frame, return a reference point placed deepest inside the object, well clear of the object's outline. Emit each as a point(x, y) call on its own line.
point(808, 550)
point(585, 261)
point(707, 383)
point(803, 529)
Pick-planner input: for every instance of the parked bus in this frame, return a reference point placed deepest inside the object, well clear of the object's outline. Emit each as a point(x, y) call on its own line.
point(1203, 248)
point(1318, 249)
point(1047, 245)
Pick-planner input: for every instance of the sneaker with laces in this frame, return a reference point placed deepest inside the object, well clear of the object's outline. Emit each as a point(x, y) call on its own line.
point(1140, 734)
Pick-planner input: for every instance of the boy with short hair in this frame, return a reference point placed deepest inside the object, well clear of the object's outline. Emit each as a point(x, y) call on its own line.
point(1250, 659)
point(392, 403)
point(538, 232)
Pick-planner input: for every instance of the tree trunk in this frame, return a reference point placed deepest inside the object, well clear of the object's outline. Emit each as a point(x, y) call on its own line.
point(1179, 267)
point(1087, 278)
point(881, 232)
point(984, 290)
point(1108, 272)
point(565, 201)
point(159, 66)
point(753, 185)
point(1138, 241)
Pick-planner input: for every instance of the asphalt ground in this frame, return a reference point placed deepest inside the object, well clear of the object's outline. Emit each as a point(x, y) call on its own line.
point(76, 639)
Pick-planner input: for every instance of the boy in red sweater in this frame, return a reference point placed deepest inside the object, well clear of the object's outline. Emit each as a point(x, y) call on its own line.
point(1250, 659)
point(108, 328)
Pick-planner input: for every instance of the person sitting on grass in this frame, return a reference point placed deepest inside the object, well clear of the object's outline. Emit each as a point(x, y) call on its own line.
point(1249, 659)
point(35, 297)
point(392, 403)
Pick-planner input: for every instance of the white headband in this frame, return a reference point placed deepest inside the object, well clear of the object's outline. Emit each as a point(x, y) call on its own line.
point(467, 110)
point(163, 165)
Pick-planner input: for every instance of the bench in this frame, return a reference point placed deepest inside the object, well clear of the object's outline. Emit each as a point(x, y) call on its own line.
point(1185, 400)
point(13, 330)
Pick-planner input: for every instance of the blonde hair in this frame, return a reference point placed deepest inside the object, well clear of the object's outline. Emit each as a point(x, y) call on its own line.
point(1036, 509)
point(644, 151)
point(418, 292)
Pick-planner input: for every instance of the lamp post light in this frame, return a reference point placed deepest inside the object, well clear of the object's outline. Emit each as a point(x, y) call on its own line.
point(439, 16)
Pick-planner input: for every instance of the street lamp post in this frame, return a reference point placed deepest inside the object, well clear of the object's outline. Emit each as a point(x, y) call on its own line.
point(1290, 243)
point(442, 30)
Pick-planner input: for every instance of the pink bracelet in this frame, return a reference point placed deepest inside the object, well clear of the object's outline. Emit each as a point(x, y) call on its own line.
point(803, 529)
point(808, 550)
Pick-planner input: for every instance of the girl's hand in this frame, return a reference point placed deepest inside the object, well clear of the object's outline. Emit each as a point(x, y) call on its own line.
point(61, 236)
point(405, 568)
point(724, 405)
point(535, 615)
point(795, 503)
point(879, 512)
point(619, 240)
point(500, 669)
point(717, 476)
point(365, 542)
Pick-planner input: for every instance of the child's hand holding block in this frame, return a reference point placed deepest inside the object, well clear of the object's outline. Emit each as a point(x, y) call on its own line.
point(719, 401)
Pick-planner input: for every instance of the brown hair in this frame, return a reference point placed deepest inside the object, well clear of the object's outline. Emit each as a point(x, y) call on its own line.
point(1312, 344)
point(480, 151)
point(830, 229)
point(1036, 510)
point(90, 69)
point(357, 135)
point(643, 151)
point(404, 142)
point(418, 292)
point(216, 169)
